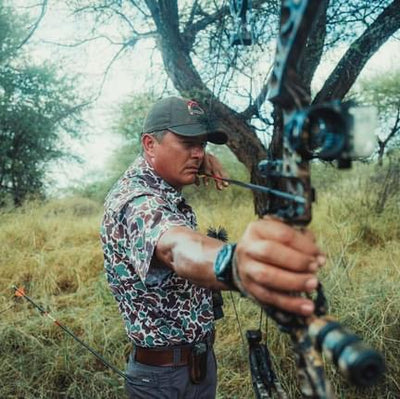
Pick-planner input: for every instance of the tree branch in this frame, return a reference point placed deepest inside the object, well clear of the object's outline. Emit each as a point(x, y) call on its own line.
point(177, 62)
point(117, 55)
point(83, 41)
point(35, 25)
point(311, 56)
point(361, 50)
point(394, 129)
point(192, 13)
point(253, 109)
point(192, 29)
point(138, 6)
point(132, 41)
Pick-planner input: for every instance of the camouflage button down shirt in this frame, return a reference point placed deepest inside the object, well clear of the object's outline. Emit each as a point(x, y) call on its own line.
point(159, 307)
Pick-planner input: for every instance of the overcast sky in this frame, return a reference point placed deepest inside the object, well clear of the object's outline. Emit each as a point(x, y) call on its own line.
point(131, 74)
point(128, 75)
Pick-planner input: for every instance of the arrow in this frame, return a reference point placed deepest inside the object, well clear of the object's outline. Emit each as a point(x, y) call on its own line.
point(20, 292)
point(256, 187)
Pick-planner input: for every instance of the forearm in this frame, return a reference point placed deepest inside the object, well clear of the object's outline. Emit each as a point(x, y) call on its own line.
point(271, 262)
point(191, 255)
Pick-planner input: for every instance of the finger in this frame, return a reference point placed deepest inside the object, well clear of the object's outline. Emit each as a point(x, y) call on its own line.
point(224, 184)
point(277, 254)
point(224, 175)
point(217, 172)
point(276, 278)
point(216, 169)
point(206, 163)
point(268, 228)
point(321, 257)
point(220, 184)
point(216, 175)
point(288, 303)
point(309, 234)
point(204, 167)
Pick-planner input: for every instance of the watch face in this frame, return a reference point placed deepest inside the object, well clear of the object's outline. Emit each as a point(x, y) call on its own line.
point(223, 260)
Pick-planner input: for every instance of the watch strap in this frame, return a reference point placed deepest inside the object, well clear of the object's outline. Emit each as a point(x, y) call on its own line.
point(223, 265)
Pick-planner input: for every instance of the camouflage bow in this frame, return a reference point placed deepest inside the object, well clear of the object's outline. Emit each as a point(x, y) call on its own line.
point(325, 132)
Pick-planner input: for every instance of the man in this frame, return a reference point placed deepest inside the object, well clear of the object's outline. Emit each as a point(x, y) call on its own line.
point(161, 270)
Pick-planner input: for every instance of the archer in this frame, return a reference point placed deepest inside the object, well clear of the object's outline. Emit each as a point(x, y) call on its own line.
point(162, 271)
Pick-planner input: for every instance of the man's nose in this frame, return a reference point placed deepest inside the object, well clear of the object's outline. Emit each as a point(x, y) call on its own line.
point(198, 150)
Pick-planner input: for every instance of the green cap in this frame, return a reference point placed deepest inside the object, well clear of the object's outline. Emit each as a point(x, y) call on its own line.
point(185, 118)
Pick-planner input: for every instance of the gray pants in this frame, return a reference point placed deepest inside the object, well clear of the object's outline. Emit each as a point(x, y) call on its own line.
point(159, 382)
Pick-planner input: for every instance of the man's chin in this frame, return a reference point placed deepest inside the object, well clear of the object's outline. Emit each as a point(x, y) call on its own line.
point(193, 178)
point(190, 178)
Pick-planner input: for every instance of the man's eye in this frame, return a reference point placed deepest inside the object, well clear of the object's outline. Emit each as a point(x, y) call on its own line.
point(191, 144)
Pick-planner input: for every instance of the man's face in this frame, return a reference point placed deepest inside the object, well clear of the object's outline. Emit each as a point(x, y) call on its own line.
point(177, 159)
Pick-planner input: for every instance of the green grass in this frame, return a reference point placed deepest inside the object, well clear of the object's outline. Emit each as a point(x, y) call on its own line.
point(53, 250)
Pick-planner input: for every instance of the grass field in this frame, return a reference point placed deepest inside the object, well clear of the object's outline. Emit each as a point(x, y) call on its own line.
point(52, 249)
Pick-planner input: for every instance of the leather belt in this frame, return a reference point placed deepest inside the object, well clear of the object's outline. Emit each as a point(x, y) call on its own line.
point(177, 355)
point(163, 357)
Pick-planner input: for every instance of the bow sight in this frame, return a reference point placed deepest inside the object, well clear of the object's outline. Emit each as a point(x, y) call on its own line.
point(332, 131)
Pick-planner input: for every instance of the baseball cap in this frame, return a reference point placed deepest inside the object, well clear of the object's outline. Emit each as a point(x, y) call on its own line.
point(185, 118)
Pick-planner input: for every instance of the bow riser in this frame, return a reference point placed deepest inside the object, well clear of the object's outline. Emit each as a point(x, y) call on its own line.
point(296, 22)
point(292, 173)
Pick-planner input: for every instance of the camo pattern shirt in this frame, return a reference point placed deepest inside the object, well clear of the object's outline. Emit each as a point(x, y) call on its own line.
point(159, 307)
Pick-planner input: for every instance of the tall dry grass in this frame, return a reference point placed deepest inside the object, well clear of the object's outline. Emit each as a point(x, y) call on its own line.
point(53, 250)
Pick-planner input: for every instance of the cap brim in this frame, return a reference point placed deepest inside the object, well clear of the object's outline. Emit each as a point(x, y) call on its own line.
point(217, 136)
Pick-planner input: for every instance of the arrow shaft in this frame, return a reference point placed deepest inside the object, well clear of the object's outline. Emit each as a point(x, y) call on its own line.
point(256, 187)
point(21, 293)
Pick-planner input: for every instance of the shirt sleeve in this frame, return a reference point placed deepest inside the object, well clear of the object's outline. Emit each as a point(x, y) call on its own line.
point(148, 217)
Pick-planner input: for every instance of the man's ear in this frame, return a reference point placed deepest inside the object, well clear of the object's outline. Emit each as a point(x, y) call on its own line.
point(148, 144)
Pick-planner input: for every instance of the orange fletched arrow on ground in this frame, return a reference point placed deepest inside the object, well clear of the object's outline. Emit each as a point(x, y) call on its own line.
point(20, 293)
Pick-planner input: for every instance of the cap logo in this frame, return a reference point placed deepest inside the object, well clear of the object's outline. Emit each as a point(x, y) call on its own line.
point(194, 108)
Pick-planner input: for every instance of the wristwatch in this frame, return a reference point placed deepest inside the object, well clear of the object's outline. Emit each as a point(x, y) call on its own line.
point(223, 265)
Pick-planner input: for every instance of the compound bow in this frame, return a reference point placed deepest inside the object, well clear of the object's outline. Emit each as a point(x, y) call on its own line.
point(327, 132)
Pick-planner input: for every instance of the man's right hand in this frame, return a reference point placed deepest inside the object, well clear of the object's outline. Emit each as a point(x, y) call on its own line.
point(274, 261)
